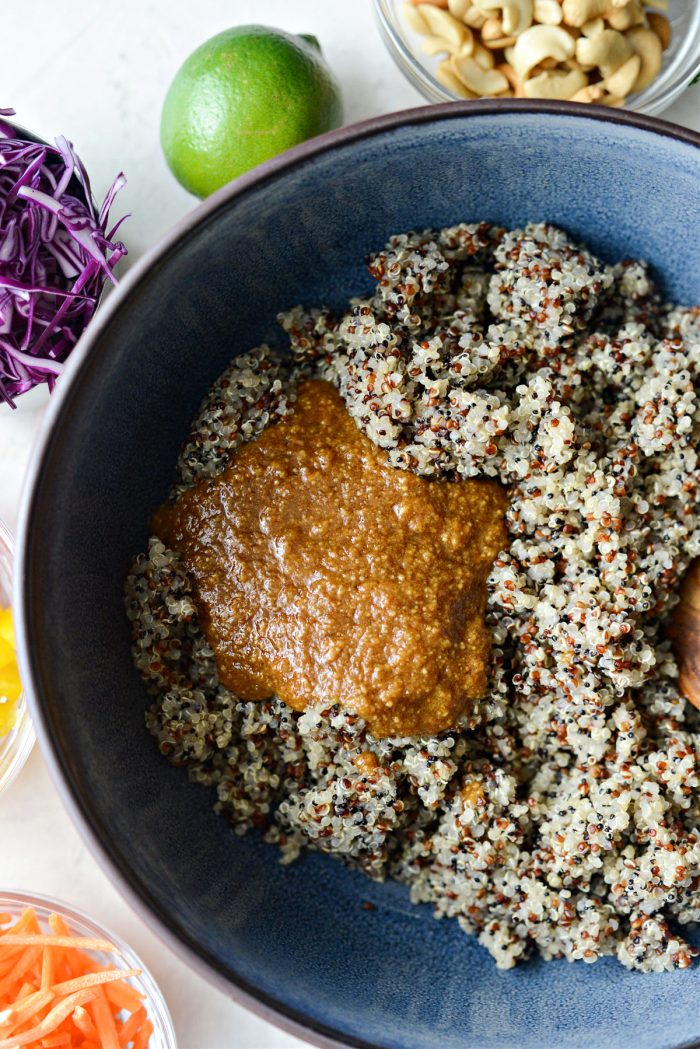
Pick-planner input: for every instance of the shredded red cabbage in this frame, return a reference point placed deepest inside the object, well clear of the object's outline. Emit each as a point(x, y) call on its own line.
point(56, 253)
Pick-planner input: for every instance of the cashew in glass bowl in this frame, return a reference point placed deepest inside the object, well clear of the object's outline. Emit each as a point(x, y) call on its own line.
point(649, 47)
point(584, 50)
point(539, 43)
point(555, 84)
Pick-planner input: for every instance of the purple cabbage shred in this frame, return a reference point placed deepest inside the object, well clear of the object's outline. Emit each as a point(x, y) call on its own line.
point(56, 252)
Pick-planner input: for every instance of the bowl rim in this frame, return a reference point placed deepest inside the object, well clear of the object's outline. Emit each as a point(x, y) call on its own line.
point(272, 1009)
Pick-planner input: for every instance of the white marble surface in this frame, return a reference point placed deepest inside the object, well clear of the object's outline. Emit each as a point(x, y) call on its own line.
point(99, 77)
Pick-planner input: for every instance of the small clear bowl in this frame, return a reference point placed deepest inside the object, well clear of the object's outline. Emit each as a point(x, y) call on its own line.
point(163, 1037)
point(16, 745)
point(680, 65)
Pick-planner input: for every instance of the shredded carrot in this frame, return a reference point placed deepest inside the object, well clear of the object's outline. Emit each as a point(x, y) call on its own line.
point(47, 968)
point(38, 939)
point(26, 1008)
point(54, 993)
point(53, 1019)
point(132, 1026)
point(27, 959)
point(92, 979)
point(57, 925)
point(104, 1021)
point(142, 1038)
point(81, 1019)
point(124, 996)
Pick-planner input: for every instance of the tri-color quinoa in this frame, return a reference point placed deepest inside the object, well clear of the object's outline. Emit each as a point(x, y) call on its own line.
point(568, 821)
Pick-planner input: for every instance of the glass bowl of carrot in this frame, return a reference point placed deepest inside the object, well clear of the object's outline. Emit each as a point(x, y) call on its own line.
point(68, 983)
point(16, 730)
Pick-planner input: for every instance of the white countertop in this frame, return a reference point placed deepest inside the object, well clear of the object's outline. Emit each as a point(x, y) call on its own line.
point(99, 77)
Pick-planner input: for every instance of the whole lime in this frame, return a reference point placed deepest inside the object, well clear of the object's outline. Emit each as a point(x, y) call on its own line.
point(242, 97)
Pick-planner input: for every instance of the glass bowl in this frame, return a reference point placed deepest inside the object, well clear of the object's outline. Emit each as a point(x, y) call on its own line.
point(163, 1037)
point(681, 62)
point(16, 745)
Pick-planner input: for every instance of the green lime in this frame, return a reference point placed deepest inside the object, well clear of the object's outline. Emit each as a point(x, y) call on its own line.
point(242, 97)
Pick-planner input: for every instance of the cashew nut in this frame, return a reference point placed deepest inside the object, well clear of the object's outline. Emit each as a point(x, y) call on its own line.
point(415, 20)
point(660, 25)
point(538, 43)
point(607, 50)
point(492, 28)
point(483, 56)
point(435, 45)
point(573, 63)
point(441, 23)
point(597, 93)
point(623, 79)
point(449, 79)
point(578, 12)
point(494, 36)
point(516, 15)
point(592, 93)
point(548, 12)
point(648, 46)
point(553, 84)
point(596, 25)
point(458, 8)
point(480, 81)
point(474, 17)
point(512, 78)
point(622, 18)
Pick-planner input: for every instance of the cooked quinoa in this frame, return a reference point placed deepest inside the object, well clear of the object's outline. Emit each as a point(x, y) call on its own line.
point(568, 821)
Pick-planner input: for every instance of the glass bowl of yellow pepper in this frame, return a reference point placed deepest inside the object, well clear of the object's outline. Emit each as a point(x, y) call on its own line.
point(16, 732)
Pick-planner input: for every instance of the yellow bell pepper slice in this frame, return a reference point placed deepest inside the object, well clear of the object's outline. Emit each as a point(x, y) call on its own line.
point(10, 684)
point(7, 630)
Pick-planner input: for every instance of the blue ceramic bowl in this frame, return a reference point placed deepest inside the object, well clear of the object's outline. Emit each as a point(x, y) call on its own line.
point(296, 943)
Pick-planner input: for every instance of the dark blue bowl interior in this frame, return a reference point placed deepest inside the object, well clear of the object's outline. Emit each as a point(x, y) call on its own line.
point(299, 937)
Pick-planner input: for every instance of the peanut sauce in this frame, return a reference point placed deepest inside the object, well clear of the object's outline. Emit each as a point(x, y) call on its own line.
point(324, 573)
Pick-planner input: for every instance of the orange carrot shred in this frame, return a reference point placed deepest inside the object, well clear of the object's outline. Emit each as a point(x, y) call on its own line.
point(131, 1027)
point(55, 1040)
point(81, 1019)
point(45, 939)
point(21, 966)
point(25, 1010)
point(94, 979)
point(104, 1021)
point(58, 925)
point(47, 967)
point(142, 1038)
point(51, 1021)
point(124, 996)
point(25, 990)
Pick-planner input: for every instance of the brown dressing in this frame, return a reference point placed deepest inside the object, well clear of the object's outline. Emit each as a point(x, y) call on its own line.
point(322, 572)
